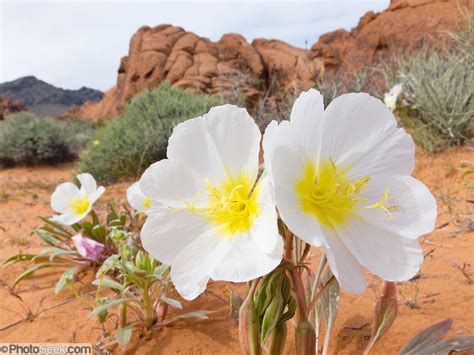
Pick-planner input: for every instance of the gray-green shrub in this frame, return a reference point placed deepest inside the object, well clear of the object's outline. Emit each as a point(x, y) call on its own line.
point(28, 139)
point(440, 85)
point(130, 143)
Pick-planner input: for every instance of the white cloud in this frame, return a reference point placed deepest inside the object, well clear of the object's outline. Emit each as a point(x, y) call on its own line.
point(73, 44)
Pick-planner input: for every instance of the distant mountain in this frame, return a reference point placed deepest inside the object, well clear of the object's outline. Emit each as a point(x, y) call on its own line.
point(45, 99)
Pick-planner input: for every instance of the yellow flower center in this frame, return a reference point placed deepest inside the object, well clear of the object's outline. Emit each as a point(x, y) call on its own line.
point(80, 204)
point(147, 202)
point(232, 205)
point(327, 193)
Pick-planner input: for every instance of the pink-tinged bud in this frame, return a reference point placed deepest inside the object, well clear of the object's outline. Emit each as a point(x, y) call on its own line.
point(305, 338)
point(87, 248)
point(249, 327)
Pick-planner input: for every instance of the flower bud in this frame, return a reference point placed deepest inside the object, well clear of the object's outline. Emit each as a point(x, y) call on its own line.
point(249, 327)
point(277, 344)
point(305, 338)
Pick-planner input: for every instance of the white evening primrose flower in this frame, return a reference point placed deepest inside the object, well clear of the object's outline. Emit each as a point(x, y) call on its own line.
point(218, 221)
point(75, 203)
point(138, 200)
point(341, 179)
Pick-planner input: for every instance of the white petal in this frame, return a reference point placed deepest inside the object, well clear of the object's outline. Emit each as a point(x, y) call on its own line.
point(62, 196)
point(308, 108)
point(192, 267)
point(384, 253)
point(416, 206)
point(360, 130)
point(136, 198)
point(344, 266)
point(88, 183)
point(95, 195)
point(288, 167)
point(173, 184)
point(166, 234)
point(69, 217)
point(226, 141)
point(265, 226)
point(245, 260)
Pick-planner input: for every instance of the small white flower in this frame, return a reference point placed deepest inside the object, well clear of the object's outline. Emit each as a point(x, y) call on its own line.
point(75, 203)
point(341, 180)
point(218, 221)
point(137, 199)
point(391, 98)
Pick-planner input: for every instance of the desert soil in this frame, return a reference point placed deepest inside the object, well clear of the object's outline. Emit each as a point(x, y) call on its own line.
point(441, 291)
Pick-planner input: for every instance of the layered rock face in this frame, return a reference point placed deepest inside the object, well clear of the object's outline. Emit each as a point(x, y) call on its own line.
point(197, 64)
point(405, 25)
point(8, 106)
point(168, 53)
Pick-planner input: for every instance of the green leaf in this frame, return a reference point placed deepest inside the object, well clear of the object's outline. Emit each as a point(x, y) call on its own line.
point(28, 272)
point(160, 271)
point(17, 258)
point(67, 276)
point(48, 238)
point(87, 226)
point(124, 335)
point(427, 337)
point(172, 302)
point(460, 343)
point(195, 314)
point(57, 226)
point(385, 313)
point(106, 306)
point(108, 282)
point(99, 232)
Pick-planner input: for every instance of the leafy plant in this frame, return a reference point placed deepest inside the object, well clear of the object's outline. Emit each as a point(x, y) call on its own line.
point(129, 144)
point(28, 139)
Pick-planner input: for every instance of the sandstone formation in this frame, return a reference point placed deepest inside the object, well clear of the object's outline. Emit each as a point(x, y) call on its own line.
point(168, 53)
point(232, 66)
point(405, 25)
point(8, 106)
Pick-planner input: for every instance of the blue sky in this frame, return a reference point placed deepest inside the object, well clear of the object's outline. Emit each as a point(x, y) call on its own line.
point(73, 44)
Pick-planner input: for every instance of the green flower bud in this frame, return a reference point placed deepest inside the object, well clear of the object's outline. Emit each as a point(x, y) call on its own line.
point(277, 344)
point(249, 327)
point(305, 338)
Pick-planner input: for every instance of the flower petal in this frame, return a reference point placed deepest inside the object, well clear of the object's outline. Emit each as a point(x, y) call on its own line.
point(62, 196)
point(308, 108)
point(344, 265)
point(192, 266)
point(265, 226)
point(226, 141)
point(244, 260)
point(95, 196)
point(360, 131)
point(384, 253)
point(88, 183)
point(68, 218)
point(415, 212)
point(136, 198)
point(173, 184)
point(287, 169)
point(166, 234)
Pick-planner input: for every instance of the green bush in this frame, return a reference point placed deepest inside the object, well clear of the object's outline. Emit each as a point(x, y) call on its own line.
point(28, 139)
point(129, 144)
point(440, 84)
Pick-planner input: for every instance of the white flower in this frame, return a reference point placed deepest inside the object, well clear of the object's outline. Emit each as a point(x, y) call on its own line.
point(75, 203)
point(137, 199)
point(342, 180)
point(218, 221)
point(391, 98)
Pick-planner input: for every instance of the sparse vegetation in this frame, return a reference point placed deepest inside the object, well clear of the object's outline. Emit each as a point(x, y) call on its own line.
point(28, 139)
point(129, 144)
point(440, 86)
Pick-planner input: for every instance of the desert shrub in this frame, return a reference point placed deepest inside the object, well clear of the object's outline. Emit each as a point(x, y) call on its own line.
point(440, 86)
point(28, 139)
point(129, 144)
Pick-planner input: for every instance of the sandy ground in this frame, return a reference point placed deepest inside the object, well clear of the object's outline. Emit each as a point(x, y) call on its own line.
point(441, 291)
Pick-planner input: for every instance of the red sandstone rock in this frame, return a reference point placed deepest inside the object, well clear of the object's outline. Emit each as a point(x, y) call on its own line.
point(8, 106)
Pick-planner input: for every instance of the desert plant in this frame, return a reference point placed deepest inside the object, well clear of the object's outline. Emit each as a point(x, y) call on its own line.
point(28, 139)
point(440, 86)
point(129, 144)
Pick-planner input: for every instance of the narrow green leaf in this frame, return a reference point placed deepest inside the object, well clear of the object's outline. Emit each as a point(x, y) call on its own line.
point(124, 335)
point(17, 258)
point(427, 337)
point(108, 282)
point(27, 273)
point(160, 271)
point(67, 276)
point(172, 302)
point(460, 343)
point(195, 314)
point(106, 306)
